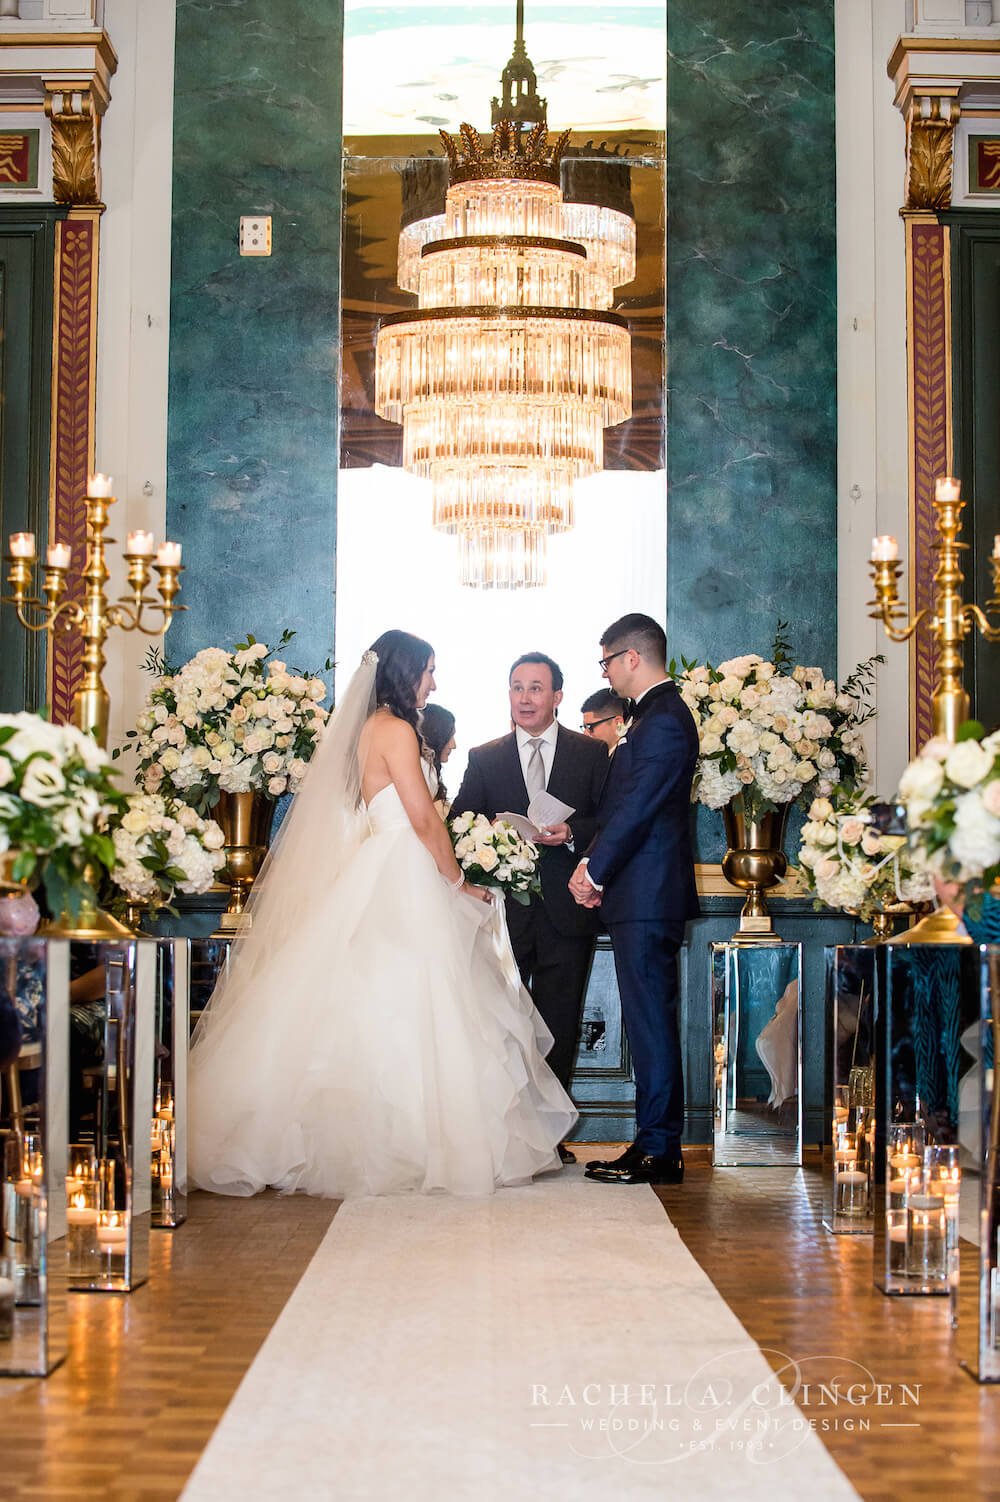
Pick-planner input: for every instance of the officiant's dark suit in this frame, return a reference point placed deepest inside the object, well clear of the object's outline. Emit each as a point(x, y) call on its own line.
point(643, 858)
point(553, 938)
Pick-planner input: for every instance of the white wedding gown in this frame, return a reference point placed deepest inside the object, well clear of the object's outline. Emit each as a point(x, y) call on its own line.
point(388, 1045)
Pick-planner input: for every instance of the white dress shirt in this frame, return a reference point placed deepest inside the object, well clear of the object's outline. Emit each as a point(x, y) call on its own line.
point(547, 749)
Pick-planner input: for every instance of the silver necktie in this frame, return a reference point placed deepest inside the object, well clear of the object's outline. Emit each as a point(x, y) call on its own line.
point(534, 778)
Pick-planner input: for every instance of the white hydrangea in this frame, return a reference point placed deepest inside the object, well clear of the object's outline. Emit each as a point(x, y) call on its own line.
point(193, 846)
point(231, 721)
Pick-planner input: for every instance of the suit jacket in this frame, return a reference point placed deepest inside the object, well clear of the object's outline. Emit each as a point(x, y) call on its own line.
point(494, 784)
point(642, 854)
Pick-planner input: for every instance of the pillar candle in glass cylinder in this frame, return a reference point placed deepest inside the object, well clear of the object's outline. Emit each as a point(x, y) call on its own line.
point(926, 1238)
point(850, 1176)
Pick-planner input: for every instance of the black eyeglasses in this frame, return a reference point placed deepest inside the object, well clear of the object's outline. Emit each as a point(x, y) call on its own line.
point(611, 657)
point(589, 729)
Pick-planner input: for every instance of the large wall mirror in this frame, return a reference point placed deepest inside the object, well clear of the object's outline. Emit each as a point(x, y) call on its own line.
point(408, 72)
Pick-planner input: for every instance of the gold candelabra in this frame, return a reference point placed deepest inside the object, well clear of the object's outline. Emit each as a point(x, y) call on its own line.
point(94, 615)
point(950, 620)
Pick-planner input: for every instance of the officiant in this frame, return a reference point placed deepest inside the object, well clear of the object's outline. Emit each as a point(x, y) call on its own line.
point(553, 939)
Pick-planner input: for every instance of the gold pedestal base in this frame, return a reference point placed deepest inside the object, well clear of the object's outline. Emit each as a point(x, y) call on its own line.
point(91, 927)
point(939, 927)
point(233, 925)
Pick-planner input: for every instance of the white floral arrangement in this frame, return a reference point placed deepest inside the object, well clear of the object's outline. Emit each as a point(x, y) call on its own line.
point(850, 865)
point(495, 855)
point(774, 732)
point(56, 797)
point(163, 848)
point(951, 794)
point(230, 722)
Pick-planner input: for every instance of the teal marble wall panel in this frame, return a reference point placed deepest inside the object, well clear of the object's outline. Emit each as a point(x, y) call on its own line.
point(252, 443)
point(751, 327)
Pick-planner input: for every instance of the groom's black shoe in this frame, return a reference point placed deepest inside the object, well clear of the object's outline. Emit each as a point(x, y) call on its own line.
point(638, 1167)
point(565, 1156)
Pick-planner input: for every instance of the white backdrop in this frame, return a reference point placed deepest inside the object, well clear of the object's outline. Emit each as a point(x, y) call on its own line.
point(394, 570)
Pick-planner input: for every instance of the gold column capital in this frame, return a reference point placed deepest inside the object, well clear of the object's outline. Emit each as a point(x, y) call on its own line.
point(75, 109)
point(930, 128)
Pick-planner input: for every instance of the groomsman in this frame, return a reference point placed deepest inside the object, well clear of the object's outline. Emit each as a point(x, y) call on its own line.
point(604, 717)
point(553, 938)
point(639, 870)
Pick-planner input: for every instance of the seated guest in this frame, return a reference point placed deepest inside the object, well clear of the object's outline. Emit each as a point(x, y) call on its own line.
point(604, 717)
point(437, 726)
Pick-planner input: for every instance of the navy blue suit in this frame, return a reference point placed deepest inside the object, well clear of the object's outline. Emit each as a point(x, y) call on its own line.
point(643, 858)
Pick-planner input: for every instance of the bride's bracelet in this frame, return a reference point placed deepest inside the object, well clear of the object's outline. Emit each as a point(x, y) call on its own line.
point(456, 886)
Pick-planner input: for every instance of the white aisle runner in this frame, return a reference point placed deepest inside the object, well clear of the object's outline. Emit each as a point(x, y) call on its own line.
point(554, 1342)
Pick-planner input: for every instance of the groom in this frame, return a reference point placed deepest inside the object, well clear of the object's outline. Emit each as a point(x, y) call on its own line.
point(639, 870)
point(553, 938)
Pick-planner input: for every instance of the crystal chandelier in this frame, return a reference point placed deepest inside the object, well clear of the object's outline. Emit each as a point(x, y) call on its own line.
point(513, 364)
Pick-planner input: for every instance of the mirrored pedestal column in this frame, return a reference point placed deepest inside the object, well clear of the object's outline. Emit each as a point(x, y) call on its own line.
point(756, 993)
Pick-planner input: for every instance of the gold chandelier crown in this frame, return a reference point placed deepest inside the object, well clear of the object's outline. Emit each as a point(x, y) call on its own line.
point(507, 154)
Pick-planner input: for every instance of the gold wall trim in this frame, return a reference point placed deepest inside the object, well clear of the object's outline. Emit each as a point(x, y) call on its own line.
point(907, 44)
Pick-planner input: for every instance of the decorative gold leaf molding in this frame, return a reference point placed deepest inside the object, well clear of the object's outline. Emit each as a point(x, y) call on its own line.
point(930, 129)
point(75, 112)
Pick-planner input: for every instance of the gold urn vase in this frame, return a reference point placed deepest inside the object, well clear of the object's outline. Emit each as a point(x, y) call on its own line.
point(245, 820)
point(754, 861)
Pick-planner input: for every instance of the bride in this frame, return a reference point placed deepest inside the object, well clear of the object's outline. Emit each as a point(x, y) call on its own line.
point(371, 1034)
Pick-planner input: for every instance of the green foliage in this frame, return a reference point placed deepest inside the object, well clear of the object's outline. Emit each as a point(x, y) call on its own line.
point(781, 647)
point(970, 730)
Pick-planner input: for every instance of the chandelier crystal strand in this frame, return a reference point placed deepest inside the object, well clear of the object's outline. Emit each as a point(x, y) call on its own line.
point(506, 375)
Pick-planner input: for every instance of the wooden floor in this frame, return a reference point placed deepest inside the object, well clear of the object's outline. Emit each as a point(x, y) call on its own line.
point(809, 1297)
point(150, 1374)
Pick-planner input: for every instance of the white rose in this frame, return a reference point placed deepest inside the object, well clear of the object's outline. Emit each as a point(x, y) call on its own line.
point(921, 779)
point(277, 785)
point(212, 836)
point(6, 771)
point(170, 760)
point(487, 858)
point(968, 764)
point(136, 821)
point(42, 783)
point(272, 762)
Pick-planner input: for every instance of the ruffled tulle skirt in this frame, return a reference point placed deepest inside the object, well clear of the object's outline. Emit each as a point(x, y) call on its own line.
point(387, 1045)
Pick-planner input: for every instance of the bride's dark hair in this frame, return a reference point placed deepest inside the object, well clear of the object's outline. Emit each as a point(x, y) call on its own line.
point(402, 659)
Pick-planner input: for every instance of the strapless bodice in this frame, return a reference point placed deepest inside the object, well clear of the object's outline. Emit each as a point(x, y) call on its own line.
point(386, 811)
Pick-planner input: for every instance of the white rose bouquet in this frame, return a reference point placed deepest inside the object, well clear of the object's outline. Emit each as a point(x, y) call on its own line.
point(774, 732)
point(951, 794)
point(495, 855)
point(850, 865)
point(56, 797)
point(230, 722)
point(162, 848)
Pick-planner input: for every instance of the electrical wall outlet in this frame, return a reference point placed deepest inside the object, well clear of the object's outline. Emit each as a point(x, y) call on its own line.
point(255, 235)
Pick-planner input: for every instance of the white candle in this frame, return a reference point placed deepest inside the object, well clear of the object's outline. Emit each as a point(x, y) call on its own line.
point(80, 1215)
point(22, 545)
point(59, 555)
point(905, 1160)
point(897, 1186)
point(99, 486)
point(947, 488)
point(141, 543)
point(851, 1176)
point(168, 555)
point(112, 1231)
point(897, 1233)
point(846, 1154)
point(24, 1188)
point(885, 549)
